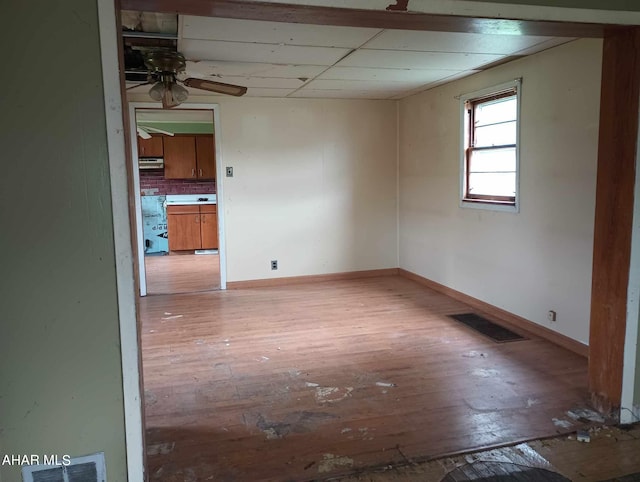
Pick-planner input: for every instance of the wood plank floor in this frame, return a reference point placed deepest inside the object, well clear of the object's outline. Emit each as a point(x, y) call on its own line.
point(316, 380)
point(183, 273)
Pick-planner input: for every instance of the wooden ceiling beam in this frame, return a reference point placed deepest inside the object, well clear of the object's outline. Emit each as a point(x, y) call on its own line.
point(383, 19)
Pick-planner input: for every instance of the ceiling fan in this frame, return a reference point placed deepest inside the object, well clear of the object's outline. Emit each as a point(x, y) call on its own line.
point(164, 69)
point(144, 131)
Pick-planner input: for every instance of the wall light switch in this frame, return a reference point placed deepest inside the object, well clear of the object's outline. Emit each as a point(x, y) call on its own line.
point(229, 171)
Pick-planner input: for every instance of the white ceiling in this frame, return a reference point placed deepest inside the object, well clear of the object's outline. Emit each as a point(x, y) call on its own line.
point(278, 59)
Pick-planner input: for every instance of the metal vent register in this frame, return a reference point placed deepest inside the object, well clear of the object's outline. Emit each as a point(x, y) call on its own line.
point(81, 469)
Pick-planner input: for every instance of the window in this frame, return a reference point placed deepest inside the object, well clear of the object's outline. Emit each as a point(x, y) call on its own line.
point(490, 148)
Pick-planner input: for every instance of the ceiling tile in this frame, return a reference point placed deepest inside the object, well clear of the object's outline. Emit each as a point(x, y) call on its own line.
point(263, 53)
point(244, 69)
point(547, 44)
point(452, 42)
point(259, 92)
point(342, 94)
point(400, 59)
point(431, 85)
point(399, 75)
point(355, 85)
point(211, 28)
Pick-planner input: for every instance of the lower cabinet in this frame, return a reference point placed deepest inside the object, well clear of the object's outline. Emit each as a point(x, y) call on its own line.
point(209, 226)
point(192, 227)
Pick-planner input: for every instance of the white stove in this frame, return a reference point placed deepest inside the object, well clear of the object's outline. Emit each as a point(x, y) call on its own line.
point(182, 199)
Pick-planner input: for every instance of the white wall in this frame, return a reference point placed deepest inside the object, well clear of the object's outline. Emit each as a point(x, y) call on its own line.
point(314, 185)
point(526, 263)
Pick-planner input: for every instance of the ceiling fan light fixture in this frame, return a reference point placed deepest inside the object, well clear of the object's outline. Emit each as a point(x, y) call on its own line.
point(179, 93)
point(167, 91)
point(156, 92)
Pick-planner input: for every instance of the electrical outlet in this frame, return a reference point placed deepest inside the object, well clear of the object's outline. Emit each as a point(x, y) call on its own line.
point(274, 264)
point(551, 315)
point(229, 171)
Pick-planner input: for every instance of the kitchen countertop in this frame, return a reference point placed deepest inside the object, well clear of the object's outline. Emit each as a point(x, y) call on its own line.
point(190, 199)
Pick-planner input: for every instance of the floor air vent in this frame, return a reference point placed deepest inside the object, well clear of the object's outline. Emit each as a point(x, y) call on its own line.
point(497, 333)
point(81, 469)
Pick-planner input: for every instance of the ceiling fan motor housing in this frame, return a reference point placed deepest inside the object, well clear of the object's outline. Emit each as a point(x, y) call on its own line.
point(165, 61)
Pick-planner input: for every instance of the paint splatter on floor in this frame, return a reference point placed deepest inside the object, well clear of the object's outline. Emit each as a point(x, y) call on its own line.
point(161, 449)
point(331, 462)
point(295, 422)
point(485, 372)
point(332, 394)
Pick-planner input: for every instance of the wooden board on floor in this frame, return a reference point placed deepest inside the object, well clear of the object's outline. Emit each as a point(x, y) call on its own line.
point(309, 381)
point(610, 455)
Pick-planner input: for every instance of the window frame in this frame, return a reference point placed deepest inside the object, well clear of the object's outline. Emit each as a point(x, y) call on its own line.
point(488, 202)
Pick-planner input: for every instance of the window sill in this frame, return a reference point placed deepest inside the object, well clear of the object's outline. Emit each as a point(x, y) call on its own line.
point(490, 205)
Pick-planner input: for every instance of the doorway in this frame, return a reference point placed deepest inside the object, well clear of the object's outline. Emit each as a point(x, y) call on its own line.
point(177, 199)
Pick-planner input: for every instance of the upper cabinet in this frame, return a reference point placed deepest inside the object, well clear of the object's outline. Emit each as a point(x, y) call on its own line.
point(205, 157)
point(189, 157)
point(180, 157)
point(150, 147)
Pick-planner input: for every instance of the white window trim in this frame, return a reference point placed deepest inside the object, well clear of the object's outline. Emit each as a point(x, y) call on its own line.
point(488, 206)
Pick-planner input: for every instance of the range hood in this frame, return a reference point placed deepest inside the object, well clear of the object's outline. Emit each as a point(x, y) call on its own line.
point(150, 163)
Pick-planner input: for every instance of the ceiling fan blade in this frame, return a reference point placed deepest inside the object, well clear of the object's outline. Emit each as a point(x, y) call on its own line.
point(159, 131)
point(217, 87)
point(143, 133)
point(138, 85)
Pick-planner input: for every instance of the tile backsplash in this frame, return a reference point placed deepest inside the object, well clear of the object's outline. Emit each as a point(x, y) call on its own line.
point(153, 183)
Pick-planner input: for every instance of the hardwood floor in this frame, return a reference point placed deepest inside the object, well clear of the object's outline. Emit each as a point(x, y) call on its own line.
point(182, 273)
point(316, 380)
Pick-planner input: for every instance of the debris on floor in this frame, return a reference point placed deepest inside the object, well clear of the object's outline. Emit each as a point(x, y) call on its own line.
point(558, 422)
point(385, 384)
point(585, 415)
point(474, 354)
point(172, 317)
point(583, 436)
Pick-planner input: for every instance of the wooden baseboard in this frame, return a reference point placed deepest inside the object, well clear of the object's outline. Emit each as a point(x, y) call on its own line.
point(501, 316)
point(264, 283)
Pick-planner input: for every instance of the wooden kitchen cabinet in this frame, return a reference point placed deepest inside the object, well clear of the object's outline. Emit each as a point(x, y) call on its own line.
point(183, 227)
point(150, 147)
point(189, 157)
point(192, 227)
point(209, 226)
point(180, 157)
point(205, 157)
